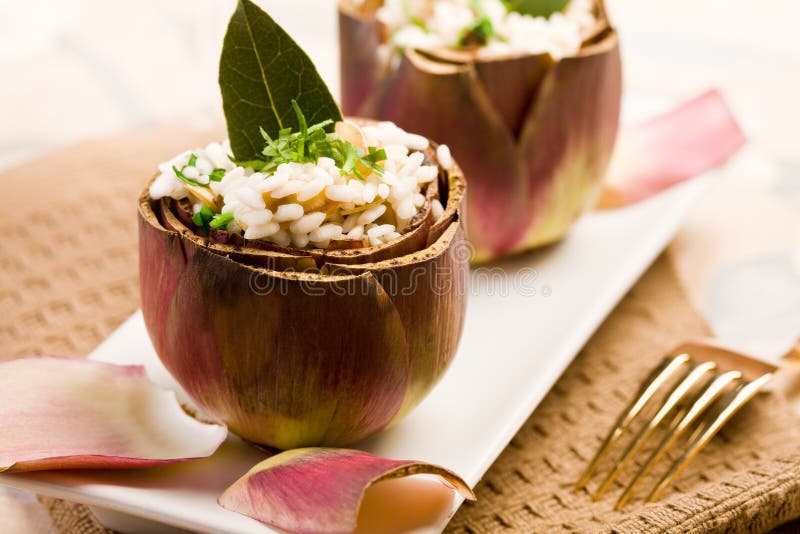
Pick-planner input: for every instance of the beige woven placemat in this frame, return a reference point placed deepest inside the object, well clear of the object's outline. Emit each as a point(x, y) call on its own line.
point(68, 259)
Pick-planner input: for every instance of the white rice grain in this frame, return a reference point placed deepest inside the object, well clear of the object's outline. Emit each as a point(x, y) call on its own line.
point(181, 159)
point(356, 233)
point(191, 173)
point(357, 189)
point(395, 151)
point(261, 231)
point(412, 164)
point(255, 180)
point(250, 198)
point(231, 207)
point(290, 188)
point(281, 238)
point(426, 174)
point(288, 212)
point(339, 193)
point(417, 142)
point(380, 230)
point(204, 167)
point(370, 192)
point(445, 157)
point(372, 214)
point(310, 190)
point(350, 222)
point(328, 165)
point(236, 172)
point(325, 232)
point(217, 155)
point(437, 208)
point(167, 185)
point(405, 209)
point(307, 223)
point(400, 191)
point(300, 240)
point(256, 217)
point(274, 182)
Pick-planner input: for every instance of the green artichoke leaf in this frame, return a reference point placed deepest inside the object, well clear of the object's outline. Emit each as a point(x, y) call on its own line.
point(536, 8)
point(261, 70)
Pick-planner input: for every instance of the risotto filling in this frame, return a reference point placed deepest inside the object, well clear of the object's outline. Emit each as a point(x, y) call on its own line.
point(489, 27)
point(364, 184)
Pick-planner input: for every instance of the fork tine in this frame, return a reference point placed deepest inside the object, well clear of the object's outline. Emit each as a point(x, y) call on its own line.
point(703, 399)
point(712, 423)
point(654, 381)
point(690, 378)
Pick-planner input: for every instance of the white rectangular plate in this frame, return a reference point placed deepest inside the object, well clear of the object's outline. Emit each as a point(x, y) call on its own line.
point(525, 323)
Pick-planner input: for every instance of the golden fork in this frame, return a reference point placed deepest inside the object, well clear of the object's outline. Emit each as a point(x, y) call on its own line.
point(708, 385)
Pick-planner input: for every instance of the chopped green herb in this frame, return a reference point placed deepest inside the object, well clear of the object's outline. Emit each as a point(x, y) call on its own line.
point(203, 218)
point(419, 23)
point(375, 155)
point(256, 164)
point(217, 175)
point(221, 220)
point(311, 143)
point(478, 33)
point(536, 8)
point(184, 178)
point(416, 21)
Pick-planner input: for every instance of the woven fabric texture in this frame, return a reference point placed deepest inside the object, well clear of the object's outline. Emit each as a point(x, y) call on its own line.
point(70, 278)
point(744, 481)
point(72, 518)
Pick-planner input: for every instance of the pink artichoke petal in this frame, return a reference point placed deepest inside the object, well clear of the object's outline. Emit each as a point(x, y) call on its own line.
point(512, 85)
point(429, 289)
point(435, 99)
point(320, 490)
point(693, 138)
point(567, 141)
point(61, 413)
point(362, 70)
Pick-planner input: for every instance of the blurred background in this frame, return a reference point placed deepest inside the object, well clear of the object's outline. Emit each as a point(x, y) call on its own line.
point(75, 69)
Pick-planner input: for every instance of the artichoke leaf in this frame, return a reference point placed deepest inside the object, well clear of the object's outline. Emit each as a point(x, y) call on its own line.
point(569, 136)
point(656, 154)
point(62, 413)
point(435, 99)
point(333, 491)
point(429, 290)
point(261, 71)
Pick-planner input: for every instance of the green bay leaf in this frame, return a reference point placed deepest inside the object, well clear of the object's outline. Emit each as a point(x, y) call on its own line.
point(262, 69)
point(536, 8)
